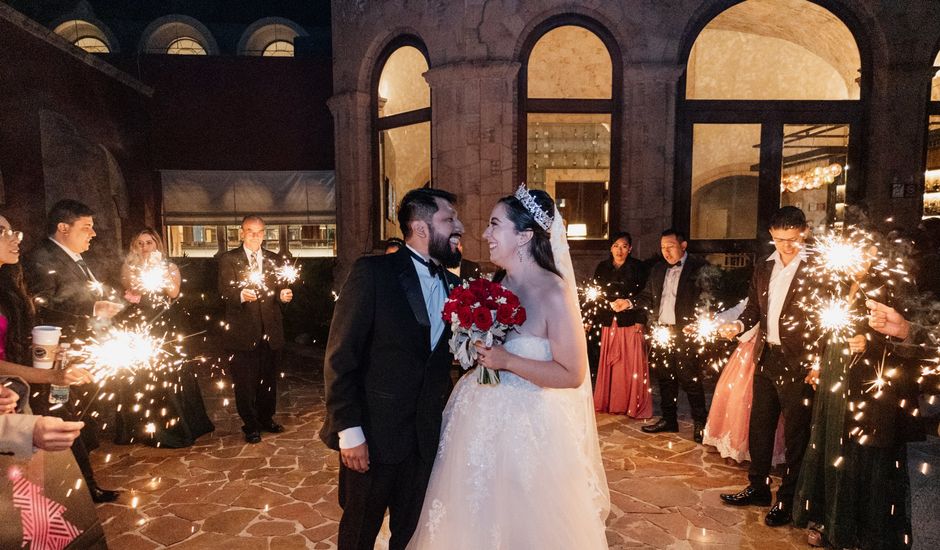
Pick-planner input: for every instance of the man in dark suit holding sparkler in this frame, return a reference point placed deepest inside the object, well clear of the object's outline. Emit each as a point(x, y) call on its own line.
point(254, 334)
point(778, 286)
point(68, 295)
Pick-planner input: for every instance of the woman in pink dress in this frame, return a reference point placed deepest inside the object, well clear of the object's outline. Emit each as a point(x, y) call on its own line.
point(623, 385)
point(729, 416)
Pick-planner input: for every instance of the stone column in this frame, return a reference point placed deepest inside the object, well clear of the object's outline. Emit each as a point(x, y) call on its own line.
point(647, 153)
point(473, 140)
point(893, 157)
point(354, 189)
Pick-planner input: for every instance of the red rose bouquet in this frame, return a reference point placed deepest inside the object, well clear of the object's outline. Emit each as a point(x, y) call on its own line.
point(480, 311)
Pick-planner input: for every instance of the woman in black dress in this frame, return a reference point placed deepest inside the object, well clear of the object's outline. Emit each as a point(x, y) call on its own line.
point(160, 408)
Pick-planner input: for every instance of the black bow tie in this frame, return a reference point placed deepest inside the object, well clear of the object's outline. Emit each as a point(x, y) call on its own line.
point(434, 269)
point(677, 264)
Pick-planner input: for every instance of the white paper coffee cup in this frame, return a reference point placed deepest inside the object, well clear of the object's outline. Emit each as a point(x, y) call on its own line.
point(45, 345)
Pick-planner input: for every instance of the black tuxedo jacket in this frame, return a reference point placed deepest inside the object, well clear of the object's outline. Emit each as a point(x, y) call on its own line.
point(798, 338)
point(380, 370)
point(250, 322)
point(688, 293)
point(59, 287)
point(469, 269)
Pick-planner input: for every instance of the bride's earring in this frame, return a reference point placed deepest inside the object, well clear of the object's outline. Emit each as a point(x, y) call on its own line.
point(519, 251)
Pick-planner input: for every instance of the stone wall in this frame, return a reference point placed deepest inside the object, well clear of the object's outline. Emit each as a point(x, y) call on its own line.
point(475, 55)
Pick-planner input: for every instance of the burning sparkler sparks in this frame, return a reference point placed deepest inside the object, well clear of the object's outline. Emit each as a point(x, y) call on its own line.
point(287, 274)
point(662, 337)
point(154, 279)
point(835, 316)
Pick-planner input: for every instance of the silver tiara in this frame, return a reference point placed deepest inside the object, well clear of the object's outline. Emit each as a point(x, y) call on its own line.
point(543, 218)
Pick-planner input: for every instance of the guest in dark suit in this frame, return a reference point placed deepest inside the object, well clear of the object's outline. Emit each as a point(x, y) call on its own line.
point(467, 269)
point(780, 282)
point(255, 331)
point(670, 298)
point(387, 373)
point(68, 295)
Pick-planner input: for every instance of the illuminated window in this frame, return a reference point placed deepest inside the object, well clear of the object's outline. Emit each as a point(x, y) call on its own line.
point(279, 48)
point(741, 152)
point(569, 105)
point(92, 45)
point(91, 37)
point(403, 128)
point(932, 170)
point(185, 46)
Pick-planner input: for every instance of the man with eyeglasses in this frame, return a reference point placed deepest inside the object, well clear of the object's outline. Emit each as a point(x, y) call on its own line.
point(778, 285)
point(254, 333)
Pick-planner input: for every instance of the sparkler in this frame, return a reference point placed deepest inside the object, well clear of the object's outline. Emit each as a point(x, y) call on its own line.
point(662, 337)
point(835, 316)
point(154, 279)
point(287, 274)
point(705, 328)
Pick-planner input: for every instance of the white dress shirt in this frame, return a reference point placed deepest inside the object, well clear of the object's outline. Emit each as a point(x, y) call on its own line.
point(435, 293)
point(667, 302)
point(780, 279)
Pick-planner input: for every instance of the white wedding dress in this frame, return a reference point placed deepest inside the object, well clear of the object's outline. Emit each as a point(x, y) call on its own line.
point(518, 467)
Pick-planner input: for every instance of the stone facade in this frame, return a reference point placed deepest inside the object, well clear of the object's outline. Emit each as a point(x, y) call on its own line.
point(476, 47)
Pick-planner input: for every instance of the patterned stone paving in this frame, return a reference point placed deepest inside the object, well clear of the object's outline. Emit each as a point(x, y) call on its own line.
point(281, 493)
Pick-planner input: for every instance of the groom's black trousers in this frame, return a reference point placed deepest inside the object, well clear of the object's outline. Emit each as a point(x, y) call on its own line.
point(364, 497)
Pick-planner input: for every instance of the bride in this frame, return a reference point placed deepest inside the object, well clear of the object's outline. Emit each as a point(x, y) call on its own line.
point(518, 464)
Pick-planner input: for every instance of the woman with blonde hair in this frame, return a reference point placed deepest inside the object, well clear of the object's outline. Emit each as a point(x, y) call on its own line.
point(164, 408)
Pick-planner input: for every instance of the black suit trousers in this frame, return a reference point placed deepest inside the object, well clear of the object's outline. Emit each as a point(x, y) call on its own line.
point(365, 496)
point(255, 376)
point(675, 367)
point(793, 398)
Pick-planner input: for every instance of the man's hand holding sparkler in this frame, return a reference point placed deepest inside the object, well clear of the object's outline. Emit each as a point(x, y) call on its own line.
point(286, 295)
point(248, 295)
point(106, 310)
point(887, 320)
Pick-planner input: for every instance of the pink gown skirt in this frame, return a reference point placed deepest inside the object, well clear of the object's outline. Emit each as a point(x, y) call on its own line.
point(729, 417)
point(623, 380)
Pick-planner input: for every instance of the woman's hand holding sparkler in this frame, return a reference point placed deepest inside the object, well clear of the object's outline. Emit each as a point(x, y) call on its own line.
point(620, 304)
point(248, 295)
point(54, 434)
point(70, 376)
point(286, 295)
point(887, 320)
point(8, 400)
point(729, 330)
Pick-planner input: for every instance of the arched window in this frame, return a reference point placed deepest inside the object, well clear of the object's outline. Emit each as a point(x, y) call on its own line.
point(569, 97)
point(178, 35)
point(185, 46)
point(279, 48)
point(85, 35)
point(402, 121)
point(270, 37)
point(767, 118)
point(932, 170)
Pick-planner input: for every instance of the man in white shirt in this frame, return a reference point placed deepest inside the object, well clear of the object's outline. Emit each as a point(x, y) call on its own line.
point(671, 296)
point(387, 372)
point(777, 287)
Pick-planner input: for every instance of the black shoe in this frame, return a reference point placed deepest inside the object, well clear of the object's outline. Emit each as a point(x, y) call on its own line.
point(273, 427)
point(662, 425)
point(698, 431)
point(778, 515)
point(253, 437)
point(99, 495)
point(749, 496)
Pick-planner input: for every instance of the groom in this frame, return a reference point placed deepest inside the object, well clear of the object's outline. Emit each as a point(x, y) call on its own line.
point(387, 372)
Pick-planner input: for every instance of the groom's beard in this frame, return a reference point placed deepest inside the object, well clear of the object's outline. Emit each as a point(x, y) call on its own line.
point(440, 249)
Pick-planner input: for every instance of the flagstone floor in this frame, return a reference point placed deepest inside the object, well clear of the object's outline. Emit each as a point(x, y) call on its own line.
point(281, 494)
